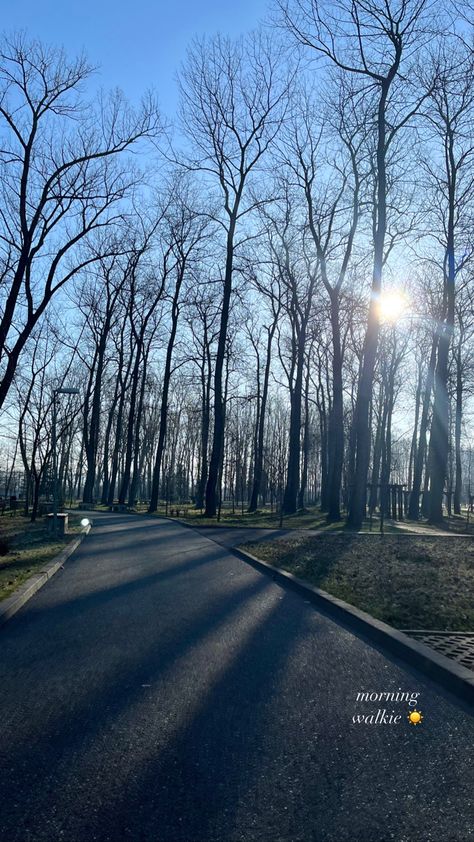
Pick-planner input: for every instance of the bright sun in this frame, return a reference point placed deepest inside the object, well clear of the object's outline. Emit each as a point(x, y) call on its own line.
point(415, 717)
point(391, 305)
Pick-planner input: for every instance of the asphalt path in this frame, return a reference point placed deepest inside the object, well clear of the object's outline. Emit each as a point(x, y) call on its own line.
point(159, 689)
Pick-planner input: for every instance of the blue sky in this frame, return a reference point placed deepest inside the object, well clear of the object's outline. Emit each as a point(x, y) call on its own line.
point(138, 44)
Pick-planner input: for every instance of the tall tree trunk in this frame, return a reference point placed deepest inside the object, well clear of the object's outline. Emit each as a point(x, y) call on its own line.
point(457, 434)
point(439, 438)
point(357, 500)
point(36, 495)
point(378, 446)
point(91, 429)
point(386, 448)
point(132, 493)
point(122, 380)
point(117, 449)
point(290, 496)
point(414, 438)
point(258, 458)
point(155, 488)
point(304, 472)
point(219, 408)
point(106, 465)
point(414, 501)
point(336, 418)
point(131, 426)
point(323, 427)
point(78, 472)
point(204, 444)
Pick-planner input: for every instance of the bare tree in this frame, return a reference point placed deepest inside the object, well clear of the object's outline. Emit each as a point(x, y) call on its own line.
point(47, 366)
point(369, 41)
point(233, 103)
point(296, 273)
point(99, 300)
point(463, 375)
point(451, 115)
point(144, 317)
point(332, 191)
point(62, 180)
point(202, 318)
point(186, 227)
point(262, 396)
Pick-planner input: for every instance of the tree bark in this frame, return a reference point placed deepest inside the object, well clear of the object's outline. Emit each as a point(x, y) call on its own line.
point(219, 408)
point(258, 458)
point(414, 501)
point(290, 497)
point(457, 434)
point(439, 438)
point(155, 488)
point(357, 500)
point(305, 454)
point(336, 418)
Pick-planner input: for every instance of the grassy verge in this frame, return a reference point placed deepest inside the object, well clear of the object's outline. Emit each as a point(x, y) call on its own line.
point(419, 582)
point(308, 519)
point(30, 547)
point(454, 525)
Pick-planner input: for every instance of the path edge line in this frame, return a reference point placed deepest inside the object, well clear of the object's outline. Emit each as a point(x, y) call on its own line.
point(13, 603)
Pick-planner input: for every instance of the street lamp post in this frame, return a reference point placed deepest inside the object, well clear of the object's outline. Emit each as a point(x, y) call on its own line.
point(56, 392)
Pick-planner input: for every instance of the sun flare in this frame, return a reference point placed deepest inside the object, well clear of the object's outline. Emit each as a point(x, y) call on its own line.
point(391, 305)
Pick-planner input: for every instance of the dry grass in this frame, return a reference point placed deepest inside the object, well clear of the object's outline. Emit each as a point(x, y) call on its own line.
point(310, 518)
point(30, 547)
point(407, 581)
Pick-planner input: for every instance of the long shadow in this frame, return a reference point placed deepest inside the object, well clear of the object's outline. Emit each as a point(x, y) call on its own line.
point(241, 535)
point(129, 544)
point(191, 792)
point(136, 524)
point(195, 783)
point(99, 535)
point(136, 521)
point(346, 622)
point(198, 782)
point(88, 714)
point(76, 604)
point(316, 569)
point(129, 537)
point(126, 541)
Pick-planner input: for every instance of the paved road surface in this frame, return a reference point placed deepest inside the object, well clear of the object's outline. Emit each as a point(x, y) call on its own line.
point(234, 536)
point(161, 690)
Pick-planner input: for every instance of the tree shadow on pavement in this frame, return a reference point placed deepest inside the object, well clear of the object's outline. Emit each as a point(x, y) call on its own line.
point(194, 787)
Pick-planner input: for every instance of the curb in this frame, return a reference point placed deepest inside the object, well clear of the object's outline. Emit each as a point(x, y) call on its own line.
point(13, 603)
point(453, 676)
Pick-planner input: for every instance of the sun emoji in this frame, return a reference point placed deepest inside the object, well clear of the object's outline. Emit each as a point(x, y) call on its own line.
point(415, 717)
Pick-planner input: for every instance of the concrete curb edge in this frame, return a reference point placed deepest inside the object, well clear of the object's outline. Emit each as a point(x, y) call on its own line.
point(453, 676)
point(13, 603)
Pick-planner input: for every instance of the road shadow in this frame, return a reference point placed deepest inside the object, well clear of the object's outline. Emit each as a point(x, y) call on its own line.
point(196, 784)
